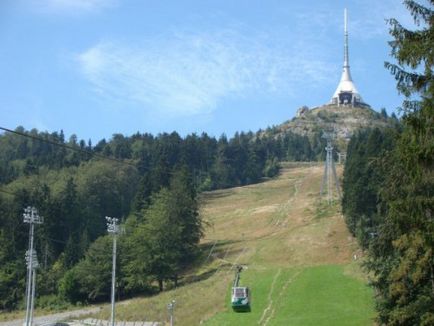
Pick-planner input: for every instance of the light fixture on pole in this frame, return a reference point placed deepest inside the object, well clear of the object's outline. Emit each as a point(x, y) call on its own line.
point(35, 264)
point(170, 308)
point(113, 228)
point(32, 217)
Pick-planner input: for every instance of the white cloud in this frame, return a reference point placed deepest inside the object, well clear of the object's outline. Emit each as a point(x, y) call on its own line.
point(188, 74)
point(366, 18)
point(72, 6)
point(370, 21)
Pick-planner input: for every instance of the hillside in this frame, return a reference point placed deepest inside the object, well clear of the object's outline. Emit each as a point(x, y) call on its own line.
point(298, 253)
point(344, 120)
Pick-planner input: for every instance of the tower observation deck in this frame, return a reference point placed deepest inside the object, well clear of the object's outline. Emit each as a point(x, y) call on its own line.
point(346, 93)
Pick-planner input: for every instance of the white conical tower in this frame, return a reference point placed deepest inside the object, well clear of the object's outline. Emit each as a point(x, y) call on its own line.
point(346, 93)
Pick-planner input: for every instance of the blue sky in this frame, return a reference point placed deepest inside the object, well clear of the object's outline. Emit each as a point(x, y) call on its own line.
point(98, 67)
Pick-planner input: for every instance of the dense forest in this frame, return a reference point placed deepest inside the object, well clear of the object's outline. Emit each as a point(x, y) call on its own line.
point(149, 182)
point(388, 199)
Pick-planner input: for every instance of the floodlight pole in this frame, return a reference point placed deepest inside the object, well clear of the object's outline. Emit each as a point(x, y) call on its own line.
point(171, 307)
point(113, 227)
point(29, 275)
point(32, 304)
point(32, 217)
point(34, 266)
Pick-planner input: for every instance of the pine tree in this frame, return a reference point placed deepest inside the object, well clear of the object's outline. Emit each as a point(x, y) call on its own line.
point(185, 211)
point(402, 256)
point(160, 252)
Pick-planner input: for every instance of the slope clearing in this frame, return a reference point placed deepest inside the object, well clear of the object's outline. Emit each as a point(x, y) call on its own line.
point(297, 250)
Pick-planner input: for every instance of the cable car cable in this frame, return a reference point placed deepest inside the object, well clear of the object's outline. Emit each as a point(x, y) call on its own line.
point(81, 150)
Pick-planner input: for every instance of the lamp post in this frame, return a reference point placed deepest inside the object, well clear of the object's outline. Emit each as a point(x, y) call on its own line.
point(32, 217)
point(35, 264)
point(170, 308)
point(113, 228)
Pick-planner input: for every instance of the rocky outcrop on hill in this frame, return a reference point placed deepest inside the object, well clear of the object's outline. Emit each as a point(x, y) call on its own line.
point(343, 120)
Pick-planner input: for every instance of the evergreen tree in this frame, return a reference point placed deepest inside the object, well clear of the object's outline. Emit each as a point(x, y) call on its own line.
point(166, 241)
point(74, 191)
point(90, 279)
point(184, 209)
point(158, 254)
point(363, 176)
point(402, 257)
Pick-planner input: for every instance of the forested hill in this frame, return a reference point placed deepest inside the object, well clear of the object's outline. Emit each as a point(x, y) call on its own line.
point(75, 184)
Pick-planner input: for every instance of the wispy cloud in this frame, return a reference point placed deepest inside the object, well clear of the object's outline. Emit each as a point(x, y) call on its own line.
point(72, 6)
point(188, 73)
point(367, 18)
point(370, 21)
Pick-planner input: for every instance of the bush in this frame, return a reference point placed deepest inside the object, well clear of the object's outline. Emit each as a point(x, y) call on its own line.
point(69, 287)
point(52, 302)
point(271, 167)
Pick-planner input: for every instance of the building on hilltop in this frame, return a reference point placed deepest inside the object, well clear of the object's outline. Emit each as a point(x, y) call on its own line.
point(346, 93)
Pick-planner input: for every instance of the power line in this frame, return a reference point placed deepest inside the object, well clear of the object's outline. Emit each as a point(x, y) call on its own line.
point(77, 149)
point(8, 192)
point(55, 240)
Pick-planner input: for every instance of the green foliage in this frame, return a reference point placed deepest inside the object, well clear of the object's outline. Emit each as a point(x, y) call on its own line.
point(364, 173)
point(11, 284)
point(401, 257)
point(271, 167)
point(73, 188)
point(160, 243)
point(52, 302)
point(162, 235)
point(167, 239)
point(413, 50)
point(90, 279)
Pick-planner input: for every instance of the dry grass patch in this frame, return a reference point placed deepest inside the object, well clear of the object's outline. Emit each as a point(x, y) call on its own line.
point(278, 224)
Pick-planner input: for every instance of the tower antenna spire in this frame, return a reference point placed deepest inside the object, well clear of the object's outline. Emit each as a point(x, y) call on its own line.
point(346, 59)
point(346, 93)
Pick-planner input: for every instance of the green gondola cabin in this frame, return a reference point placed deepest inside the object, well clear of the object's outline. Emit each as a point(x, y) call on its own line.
point(240, 298)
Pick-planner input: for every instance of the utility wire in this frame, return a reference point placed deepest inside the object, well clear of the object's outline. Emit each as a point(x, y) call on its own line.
point(55, 240)
point(8, 192)
point(77, 149)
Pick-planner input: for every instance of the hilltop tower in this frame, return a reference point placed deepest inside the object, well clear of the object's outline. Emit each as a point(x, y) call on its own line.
point(346, 93)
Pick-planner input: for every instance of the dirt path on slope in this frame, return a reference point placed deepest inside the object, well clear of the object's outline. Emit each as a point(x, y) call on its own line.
point(282, 221)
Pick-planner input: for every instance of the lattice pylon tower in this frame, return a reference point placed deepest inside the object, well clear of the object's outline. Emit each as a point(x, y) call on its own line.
point(330, 178)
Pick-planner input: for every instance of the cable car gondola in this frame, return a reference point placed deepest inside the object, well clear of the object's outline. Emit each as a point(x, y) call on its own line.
point(240, 299)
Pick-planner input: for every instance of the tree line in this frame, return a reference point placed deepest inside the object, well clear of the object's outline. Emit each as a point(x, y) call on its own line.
point(388, 199)
point(150, 182)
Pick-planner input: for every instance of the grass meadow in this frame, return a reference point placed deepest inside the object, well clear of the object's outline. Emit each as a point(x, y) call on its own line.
point(297, 254)
point(319, 295)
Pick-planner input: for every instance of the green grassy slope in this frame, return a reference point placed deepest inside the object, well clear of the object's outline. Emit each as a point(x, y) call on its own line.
point(320, 295)
point(298, 254)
